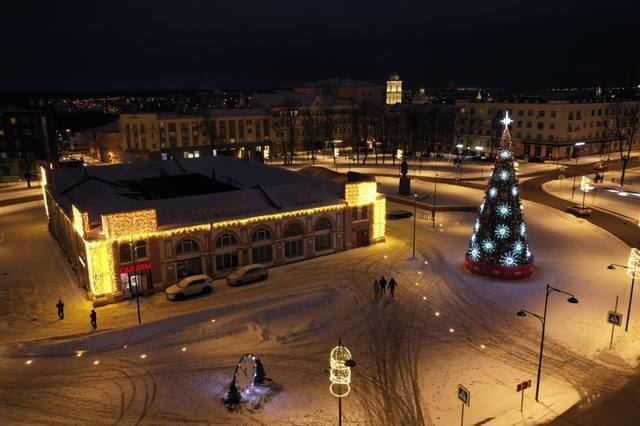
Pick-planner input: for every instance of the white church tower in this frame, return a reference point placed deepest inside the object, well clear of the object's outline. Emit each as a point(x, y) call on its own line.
point(394, 89)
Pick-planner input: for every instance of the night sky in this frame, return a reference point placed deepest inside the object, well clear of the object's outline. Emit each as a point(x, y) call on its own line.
point(113, 45)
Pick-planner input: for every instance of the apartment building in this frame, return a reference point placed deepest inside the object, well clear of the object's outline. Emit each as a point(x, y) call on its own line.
point(544, 129)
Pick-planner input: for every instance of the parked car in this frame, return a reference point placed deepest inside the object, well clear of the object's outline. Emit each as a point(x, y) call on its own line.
point(579, 211)
point(247, 274)
point(398, 214)
point(600, 166)
point(195, 284)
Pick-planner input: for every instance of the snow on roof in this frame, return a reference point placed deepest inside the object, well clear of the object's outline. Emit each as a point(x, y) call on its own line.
point(259, 189)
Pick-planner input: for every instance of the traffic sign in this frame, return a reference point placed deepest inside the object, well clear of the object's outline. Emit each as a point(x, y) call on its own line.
point(614, 318)
point(464, 395)
point(524, 385)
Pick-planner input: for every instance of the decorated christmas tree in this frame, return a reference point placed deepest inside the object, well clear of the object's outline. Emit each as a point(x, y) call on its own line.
point(499, 246)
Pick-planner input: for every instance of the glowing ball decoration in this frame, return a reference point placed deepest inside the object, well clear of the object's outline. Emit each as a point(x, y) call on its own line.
point(340, 362)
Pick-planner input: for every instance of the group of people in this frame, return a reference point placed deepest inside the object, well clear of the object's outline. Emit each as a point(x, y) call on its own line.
point(92, 316)
point(379, 286)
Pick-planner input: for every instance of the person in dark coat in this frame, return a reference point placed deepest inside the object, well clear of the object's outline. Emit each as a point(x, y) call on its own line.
point(383, 284)
point(392, 286)
point(94, 318)
point(60, 307)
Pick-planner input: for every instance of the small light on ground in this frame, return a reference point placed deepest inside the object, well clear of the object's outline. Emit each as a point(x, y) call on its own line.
point(184, 349)
point(96, 362)
point(437, 314)
point(79, 353)
point(213, 320)
point(143, 356)
point(385, 256)
point(424, 297)
point(482, 346)
point(125, 347)
point(426, 262)
point(416, 283)
point(28, 362)
point(419, 272)
point(451, 330)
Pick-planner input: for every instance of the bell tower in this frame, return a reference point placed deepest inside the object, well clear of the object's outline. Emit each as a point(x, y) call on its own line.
point(394, 89)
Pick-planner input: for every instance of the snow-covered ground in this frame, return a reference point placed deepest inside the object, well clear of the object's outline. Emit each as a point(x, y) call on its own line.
point(444, 327)
point(446, 195)
point(609, 196)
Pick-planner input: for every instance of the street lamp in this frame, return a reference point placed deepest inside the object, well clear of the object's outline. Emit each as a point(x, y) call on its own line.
point(435, 183)
point(543, 319)
point(633, 270)
point(575, 170)
point(415, 205)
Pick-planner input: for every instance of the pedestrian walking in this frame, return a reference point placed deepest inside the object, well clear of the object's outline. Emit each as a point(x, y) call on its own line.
point(383, 284)
point(94, 318)
point(376, 288)
point(60, 307)
point(392, 287)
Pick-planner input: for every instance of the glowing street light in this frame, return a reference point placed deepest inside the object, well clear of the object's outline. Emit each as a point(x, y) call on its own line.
point(543, 319)
point(575, 170)
point(341, 364)
point(585, 186)
point(415, 206)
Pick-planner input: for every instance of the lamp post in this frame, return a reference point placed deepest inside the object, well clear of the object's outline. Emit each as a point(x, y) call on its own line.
point(633, 269)
point(435, 183)
point(543, 319)
point(415, 210)
point(135, 273)
point(575, 170)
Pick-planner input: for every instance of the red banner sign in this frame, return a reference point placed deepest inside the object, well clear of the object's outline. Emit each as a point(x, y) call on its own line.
point(524, 385)
point(135, 268)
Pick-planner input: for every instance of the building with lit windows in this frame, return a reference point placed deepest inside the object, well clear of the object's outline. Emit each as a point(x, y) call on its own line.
point(394, 90)
point(142, 227)
point(542, 128)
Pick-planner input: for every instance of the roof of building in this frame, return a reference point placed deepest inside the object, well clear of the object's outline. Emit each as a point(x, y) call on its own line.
point(220, 188)
point(111, 127)
point(217, 112)
point(339, 82)
point(285, 98)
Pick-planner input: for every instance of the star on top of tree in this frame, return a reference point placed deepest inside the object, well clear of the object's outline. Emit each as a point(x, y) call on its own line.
point(506, 120)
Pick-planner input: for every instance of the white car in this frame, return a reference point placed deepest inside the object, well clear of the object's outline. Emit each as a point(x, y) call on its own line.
point(248, 274)
point(188, 286)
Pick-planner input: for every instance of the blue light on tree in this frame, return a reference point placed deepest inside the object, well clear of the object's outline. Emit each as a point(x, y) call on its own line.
point(488, 246)
point(523, 229)
point(504, 210)
point(493, 192)
point(508, 259)
point(514, 191)
point(518, 246)
point(476, 226)
point(481, 207)
point(502, 231)
point(505, 154)
point(504, 175)
point(474, 252)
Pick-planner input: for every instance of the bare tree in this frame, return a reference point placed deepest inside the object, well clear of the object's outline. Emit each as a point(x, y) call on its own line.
point(285, 122)
point(624, 125)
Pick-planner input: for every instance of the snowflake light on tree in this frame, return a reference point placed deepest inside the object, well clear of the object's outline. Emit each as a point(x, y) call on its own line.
point(500, 233)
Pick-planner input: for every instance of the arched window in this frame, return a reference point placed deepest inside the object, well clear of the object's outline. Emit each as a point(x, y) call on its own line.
point(125, 253)
point(141, 249)
point(261, 234)
point(322, 224)
point(226, 240)
point(293, 230)
point(186, 247)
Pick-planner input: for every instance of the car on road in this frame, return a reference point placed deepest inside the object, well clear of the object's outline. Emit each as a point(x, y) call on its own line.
point(248, 274)
point(600, 166)
point(579, 211)
point(195, 284)
point(398, 214)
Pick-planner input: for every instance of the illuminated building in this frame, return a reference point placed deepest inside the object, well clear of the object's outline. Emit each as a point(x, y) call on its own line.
point(145, 226)
point(394, 89)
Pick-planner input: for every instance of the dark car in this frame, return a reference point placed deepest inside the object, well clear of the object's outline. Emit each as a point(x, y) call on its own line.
point(398, 214)
point(579, 211)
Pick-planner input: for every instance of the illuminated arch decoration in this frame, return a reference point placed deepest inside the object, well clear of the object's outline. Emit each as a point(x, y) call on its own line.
point(246, 373)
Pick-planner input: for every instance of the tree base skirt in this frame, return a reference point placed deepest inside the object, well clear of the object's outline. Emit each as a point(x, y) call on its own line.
point(497, 271)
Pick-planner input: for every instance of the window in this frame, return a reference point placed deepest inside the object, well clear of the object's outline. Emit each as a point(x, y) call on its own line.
point(323, 224)
point(552, 126)
point(141, 249)
point(530, 113)
point(519, 124)
point(540, 125)
point(293, 229)
point(226, 240)
point(529, 124)
point(188, 267)
point(187, 247)
point(359, 213)
point(125, 253)
point(541, 113)
point(227, 260)
point(553, 114)
point(520, 113)
point(261, 234)
point(293, 248)
point(323, 242)
point(261, 254)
